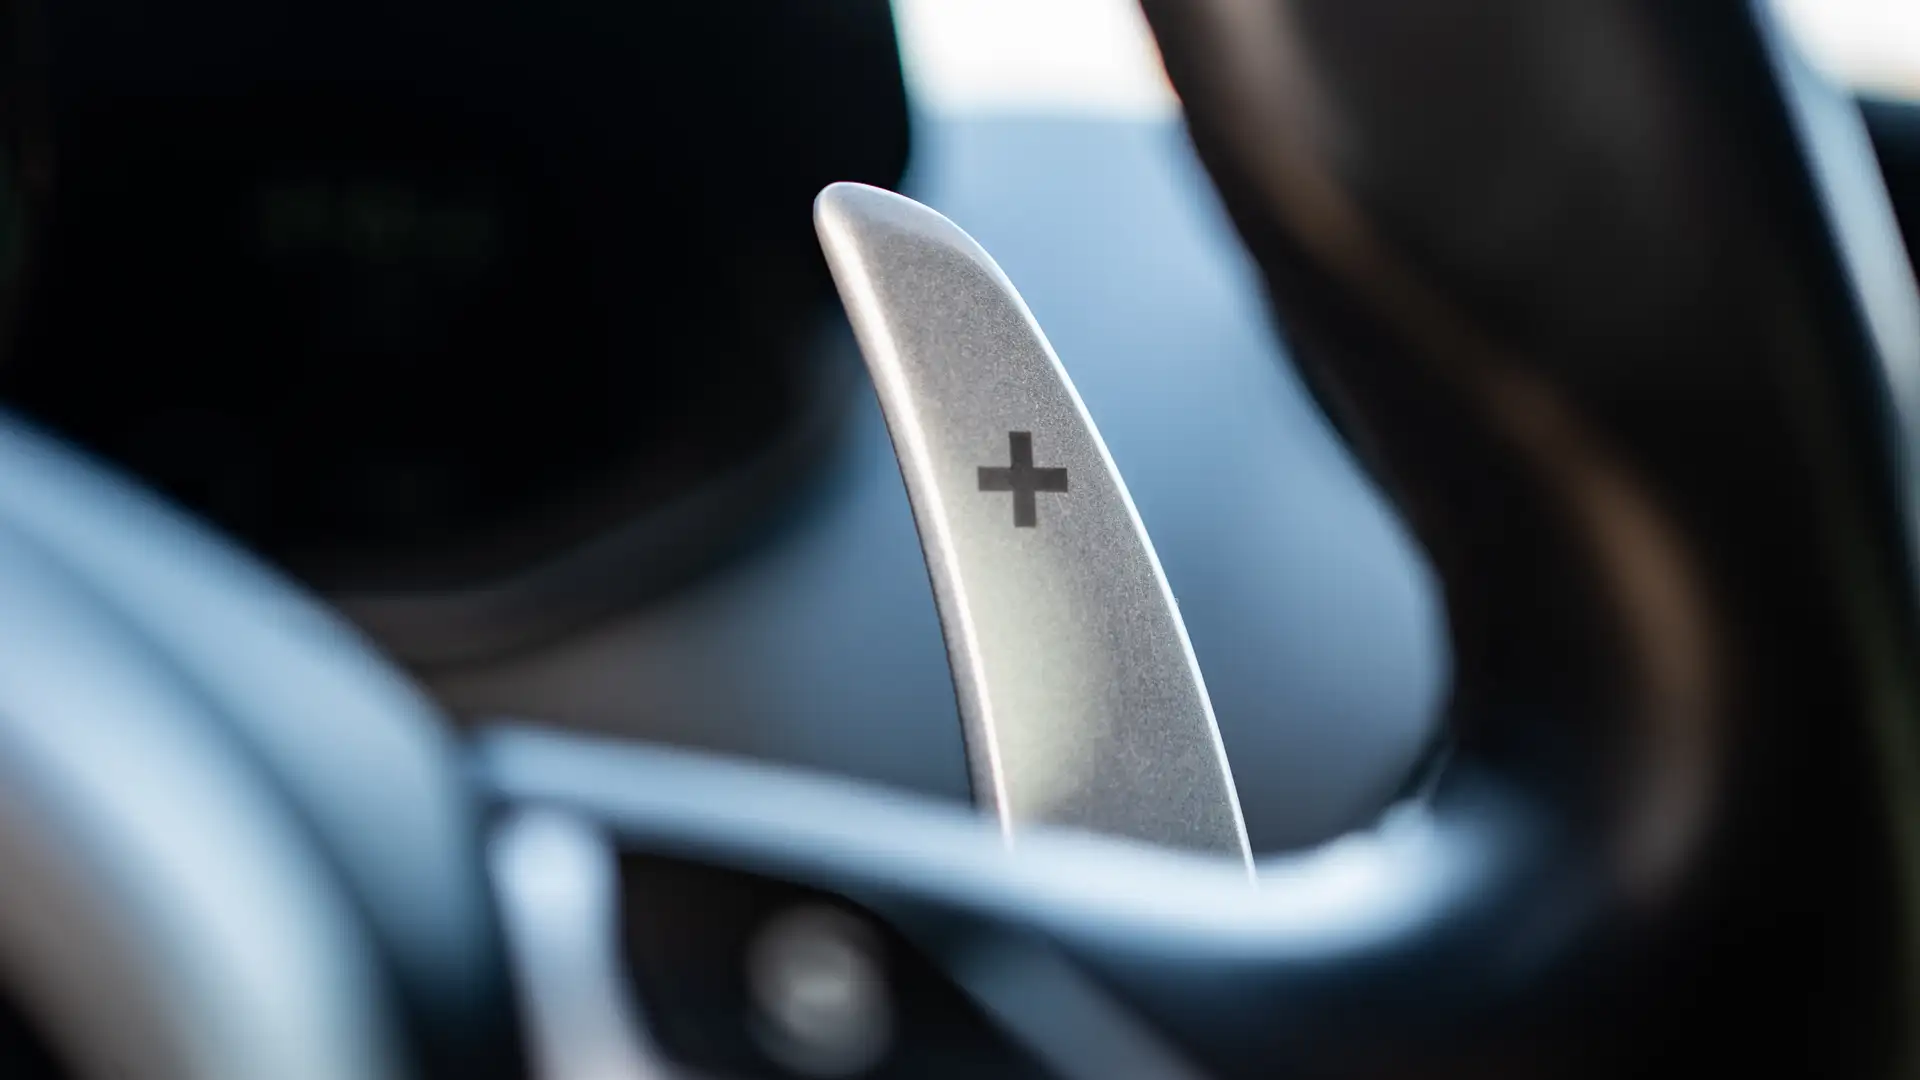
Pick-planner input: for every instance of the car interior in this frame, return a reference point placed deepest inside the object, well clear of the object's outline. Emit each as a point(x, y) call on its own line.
point(949, 538)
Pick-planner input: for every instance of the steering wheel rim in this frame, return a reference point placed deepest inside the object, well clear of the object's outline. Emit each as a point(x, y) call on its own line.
point(285, 766)
point(1611, 299)
point(123, 923)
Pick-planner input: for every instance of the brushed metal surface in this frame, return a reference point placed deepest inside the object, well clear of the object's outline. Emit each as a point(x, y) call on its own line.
point(1078, 689)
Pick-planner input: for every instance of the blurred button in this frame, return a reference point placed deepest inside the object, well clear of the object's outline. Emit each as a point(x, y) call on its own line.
point(741, 975)
point(821, 992)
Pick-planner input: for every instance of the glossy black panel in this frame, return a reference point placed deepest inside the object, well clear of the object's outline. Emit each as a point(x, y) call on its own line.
point(24, 1052)
point(410, 295)
point(24, 161)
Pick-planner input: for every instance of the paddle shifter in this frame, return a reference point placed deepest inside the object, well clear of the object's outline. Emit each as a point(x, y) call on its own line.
point(1082, 701)
point(1610, 297)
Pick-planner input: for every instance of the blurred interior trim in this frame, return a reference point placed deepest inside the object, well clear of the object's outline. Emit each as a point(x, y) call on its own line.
point(1871, 45)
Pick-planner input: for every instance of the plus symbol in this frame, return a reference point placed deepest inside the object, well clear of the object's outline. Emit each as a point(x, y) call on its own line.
point(1022, 479)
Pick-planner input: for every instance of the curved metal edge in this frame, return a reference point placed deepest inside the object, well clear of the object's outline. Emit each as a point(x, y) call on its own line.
point(851, 275)
point(867, 233)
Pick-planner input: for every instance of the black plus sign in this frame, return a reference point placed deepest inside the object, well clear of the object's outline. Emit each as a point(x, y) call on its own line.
point(1022, 479)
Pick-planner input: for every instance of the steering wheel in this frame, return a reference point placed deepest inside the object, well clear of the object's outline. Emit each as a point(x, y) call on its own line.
point(1610, 297)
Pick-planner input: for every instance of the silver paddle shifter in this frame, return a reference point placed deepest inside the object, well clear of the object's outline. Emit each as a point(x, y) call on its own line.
point(1082, 702)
